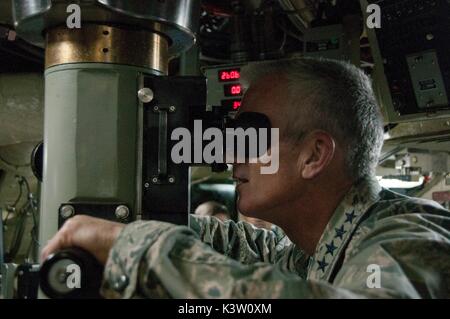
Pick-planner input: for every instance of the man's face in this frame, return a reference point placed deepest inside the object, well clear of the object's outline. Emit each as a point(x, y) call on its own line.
point(265, 196)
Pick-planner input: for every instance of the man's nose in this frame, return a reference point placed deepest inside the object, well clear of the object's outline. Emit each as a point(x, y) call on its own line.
point(234, 158)
point(231, 155)
point(238, 167)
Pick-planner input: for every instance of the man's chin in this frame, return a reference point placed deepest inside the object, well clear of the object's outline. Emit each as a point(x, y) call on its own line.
point(243, 207)
point(248, 209)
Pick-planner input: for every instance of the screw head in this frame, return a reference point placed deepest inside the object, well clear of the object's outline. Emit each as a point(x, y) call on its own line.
point(145, 95)
point(155, 180)
point(171, 180)
point(146, 185)
point(172, 108)
point(156, 108)
point(67, 211)
point(122, 212)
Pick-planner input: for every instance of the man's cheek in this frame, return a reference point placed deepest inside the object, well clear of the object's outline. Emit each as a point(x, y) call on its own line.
point(243, 205)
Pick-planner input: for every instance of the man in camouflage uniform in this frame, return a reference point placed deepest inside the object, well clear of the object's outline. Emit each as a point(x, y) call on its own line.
point(346, 237)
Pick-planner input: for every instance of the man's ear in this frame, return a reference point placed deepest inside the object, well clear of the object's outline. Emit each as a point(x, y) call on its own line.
point(317, 152)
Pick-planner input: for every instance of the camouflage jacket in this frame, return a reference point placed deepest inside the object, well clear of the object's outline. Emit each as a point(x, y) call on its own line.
point(377, 244)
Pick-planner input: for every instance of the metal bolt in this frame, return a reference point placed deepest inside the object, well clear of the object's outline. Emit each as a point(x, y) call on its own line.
point(430, 36)
point(171, 180)
point(172, 108)
point(145, 95)
point(156, 108)
point(146, 185)
point(67, 211)
point(122, 212)
point(155, 180)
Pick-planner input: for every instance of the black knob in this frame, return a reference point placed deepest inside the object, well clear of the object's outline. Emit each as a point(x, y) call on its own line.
point(71, 274)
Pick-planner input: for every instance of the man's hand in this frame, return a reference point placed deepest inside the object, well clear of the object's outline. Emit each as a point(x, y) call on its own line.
point(94, 235)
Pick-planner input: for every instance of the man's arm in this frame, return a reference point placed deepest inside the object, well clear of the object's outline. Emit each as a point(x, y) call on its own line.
point(155, 260)
point(158, 260)
point(240, 241)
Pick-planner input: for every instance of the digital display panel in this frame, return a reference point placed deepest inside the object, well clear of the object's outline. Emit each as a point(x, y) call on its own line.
point(229, 75)
point(231, 105)
point(234, 89)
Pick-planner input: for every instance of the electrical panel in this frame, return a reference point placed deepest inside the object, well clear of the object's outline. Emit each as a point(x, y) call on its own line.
point(224, 86)
point(325, 42)
point(411, 52)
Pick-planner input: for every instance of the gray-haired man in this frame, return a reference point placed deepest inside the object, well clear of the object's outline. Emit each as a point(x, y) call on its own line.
point(347, 236)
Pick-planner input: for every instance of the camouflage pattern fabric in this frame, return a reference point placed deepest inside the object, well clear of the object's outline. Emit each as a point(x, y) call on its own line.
point(378, 244)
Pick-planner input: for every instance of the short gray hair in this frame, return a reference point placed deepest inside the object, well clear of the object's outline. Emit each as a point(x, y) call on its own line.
point(334, 96)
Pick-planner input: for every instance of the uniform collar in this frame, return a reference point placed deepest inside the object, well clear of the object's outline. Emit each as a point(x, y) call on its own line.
point(361, 196)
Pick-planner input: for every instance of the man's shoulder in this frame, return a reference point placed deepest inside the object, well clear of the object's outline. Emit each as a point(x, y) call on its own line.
point(395, 216)
point(400, 221)
point(392, 204)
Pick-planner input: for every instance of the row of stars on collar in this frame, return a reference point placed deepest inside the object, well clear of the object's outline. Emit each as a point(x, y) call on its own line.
point(340, 232)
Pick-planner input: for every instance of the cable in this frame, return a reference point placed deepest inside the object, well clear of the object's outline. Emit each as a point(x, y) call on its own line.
point(34, 230)
point(283, 43)
point(290, 33)
point(13, 207)
point(293, 15)
point(2, 252)
point(25, 181)
point(17, 236)
point(34, 236)
point(29, 206)
point(32, 207)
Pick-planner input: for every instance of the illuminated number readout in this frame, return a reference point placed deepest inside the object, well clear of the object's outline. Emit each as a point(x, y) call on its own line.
point(232, 90)
point(231, 105)
point(229, 75)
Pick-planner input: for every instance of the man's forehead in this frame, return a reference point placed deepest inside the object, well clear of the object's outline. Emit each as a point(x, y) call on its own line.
point(264, 95)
